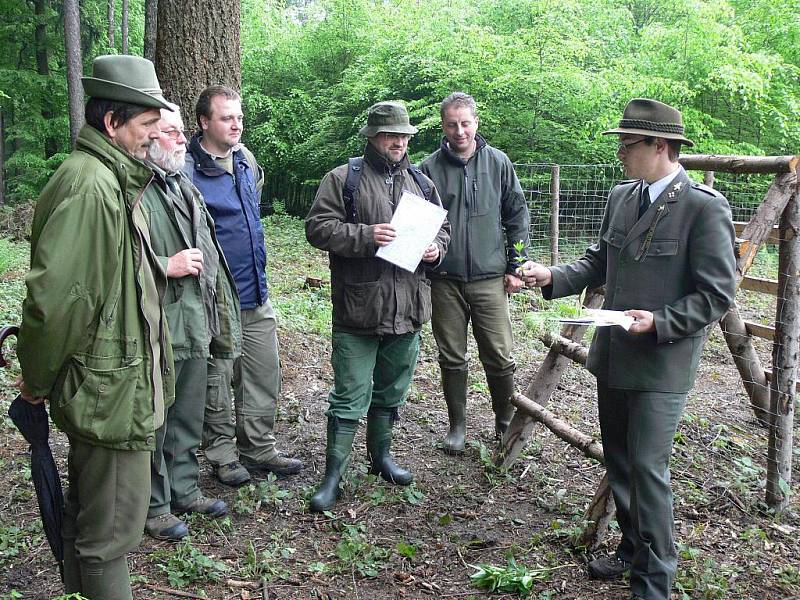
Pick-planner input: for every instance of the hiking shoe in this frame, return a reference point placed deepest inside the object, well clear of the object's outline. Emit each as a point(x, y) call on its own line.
point(166, 527)
point(232, 474)
point(280, 465)
point(212, 507)
point(608, 567)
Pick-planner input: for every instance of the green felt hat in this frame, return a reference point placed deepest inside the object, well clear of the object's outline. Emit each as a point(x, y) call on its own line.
point(125, 78)
point(643, 116)
point(391, 117)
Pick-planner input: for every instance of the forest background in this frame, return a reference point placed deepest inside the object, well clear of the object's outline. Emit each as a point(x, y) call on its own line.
point(548, 76)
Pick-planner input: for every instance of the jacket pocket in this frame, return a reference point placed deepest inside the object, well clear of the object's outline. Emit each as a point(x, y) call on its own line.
point(177, 327)
point(614, 237)
point(99, 400)
point(423, 306)
point(363, 304)
point(663, 248)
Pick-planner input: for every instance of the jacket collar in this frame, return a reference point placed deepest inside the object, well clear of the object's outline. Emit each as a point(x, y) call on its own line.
point(444, 146)
point(659, 207)
point(132, 173)
point(380, 164)
point(203, 161)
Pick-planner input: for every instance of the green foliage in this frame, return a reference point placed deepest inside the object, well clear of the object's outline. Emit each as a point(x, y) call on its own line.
point(270, 562)
point(514, 578)
point(356, 553)
point(15, 542)
point(252, 497)
point(186, 564)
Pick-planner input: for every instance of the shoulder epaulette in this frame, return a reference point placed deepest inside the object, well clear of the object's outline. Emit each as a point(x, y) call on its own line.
point(708, 190)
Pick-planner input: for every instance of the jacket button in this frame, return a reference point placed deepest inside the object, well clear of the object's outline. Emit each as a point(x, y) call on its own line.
point(101, 389)
point(150, 439)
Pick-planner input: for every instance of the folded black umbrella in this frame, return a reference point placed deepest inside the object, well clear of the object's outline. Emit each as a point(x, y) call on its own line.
point(33, 424)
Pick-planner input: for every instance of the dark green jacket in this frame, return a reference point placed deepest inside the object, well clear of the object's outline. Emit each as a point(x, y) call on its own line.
point(370, 296)
point(202, 312)
point(85, 339)
point(486, 209)
point(677, 261)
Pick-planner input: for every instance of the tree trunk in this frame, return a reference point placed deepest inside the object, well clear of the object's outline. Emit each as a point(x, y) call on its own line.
point(150, 28)
point(72, 43)
point(125, 26)
point(43, 68)
point(598, 516)
point(111, 24)
point(197, 45)
point(739, 164)
point(784, 359)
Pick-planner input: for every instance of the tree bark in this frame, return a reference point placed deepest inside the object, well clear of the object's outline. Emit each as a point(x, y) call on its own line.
point(72, 43)
point(112, 25)
point(43, 68)
point(598, 516)
point(575, 351)
point(784, 358)
point(2, 158)
point(150, 28)
point(563, 430)
point(541, 389)
point(125, 26)
point(197, 45)
point(739, 164)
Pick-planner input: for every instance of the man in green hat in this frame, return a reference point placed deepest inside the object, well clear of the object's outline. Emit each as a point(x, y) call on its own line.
point(665, 255)
point(378, 308)
point(93, 339)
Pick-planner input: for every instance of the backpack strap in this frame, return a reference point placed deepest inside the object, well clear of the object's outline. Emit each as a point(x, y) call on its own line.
point(421, 181)
point(350, 191)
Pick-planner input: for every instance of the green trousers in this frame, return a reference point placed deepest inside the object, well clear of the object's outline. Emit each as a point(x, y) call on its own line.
point(485, 304)
point(370, 370)
point(105, 506)
point(256, 378)
point(637, 430)
point(174, 468)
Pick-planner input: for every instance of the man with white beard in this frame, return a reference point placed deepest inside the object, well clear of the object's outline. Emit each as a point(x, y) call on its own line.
point(202, 311)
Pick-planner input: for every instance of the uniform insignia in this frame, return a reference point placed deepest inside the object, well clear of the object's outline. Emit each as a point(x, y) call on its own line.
point(677, 186)
point(671, 195)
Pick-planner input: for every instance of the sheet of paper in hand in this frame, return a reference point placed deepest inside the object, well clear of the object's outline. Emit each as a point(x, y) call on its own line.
point(601, 318)
point(416, 222)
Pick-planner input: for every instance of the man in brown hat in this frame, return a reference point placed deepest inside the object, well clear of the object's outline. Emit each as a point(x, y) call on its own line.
point(378, 308)
point(665, 255)
point(93, 336)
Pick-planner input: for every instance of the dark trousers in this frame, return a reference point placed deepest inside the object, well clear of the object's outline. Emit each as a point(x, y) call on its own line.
point(638, 429)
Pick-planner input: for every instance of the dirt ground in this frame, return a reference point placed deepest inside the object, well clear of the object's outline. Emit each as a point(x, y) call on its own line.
point(384, 542)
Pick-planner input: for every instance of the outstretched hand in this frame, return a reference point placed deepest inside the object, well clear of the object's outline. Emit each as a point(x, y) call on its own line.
point(535, 274)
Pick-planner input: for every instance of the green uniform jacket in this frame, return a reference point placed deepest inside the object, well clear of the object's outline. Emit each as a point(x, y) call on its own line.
point(202, 312)
point(486, 209)
point(85, 339)
point(677, 261)
point(370, 296)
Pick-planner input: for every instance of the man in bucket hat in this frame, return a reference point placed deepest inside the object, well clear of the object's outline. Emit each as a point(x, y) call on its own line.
point(665, 255)
point(378, 308)
point(93, 337)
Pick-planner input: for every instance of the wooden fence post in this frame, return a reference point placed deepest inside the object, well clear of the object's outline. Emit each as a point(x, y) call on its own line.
point(784, 359)
point(555, 191)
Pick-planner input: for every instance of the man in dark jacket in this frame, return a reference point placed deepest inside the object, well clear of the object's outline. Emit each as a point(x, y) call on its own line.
point(665, 255)
point(93, 337)
point(230, 180)
point(203, 315)
point(378, 308)
point(489, 219)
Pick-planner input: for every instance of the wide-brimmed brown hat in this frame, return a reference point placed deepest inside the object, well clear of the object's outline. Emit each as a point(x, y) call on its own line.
point(391, 117)
point(125, 78)
point(643, 116)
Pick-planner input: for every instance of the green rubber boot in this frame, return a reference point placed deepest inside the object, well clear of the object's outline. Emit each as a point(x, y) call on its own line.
point(106, 580)
point(454, 385)
point(501, 389)
point(339, 444)
point(380, 422)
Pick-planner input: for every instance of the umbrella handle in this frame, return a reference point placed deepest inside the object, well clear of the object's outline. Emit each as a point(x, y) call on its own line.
point(4, 333)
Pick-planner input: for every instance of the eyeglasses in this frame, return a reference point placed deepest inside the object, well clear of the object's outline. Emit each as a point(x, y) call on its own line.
point(175, 134)
point(623, 147)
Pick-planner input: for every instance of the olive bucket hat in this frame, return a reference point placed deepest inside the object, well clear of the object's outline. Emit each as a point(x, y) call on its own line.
point(643, 116)
point(391, 117)
point(125, 78)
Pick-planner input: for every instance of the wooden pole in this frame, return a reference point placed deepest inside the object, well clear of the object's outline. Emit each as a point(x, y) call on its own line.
point(574, 351)
point(739, 164)
point(598, 516)
point(555, 191)
point(784, 358)
point(541, 389)
point(708, 178)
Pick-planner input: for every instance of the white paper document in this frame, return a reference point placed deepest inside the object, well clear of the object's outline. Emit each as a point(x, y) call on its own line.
point(601, 318)
point(416, 222)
